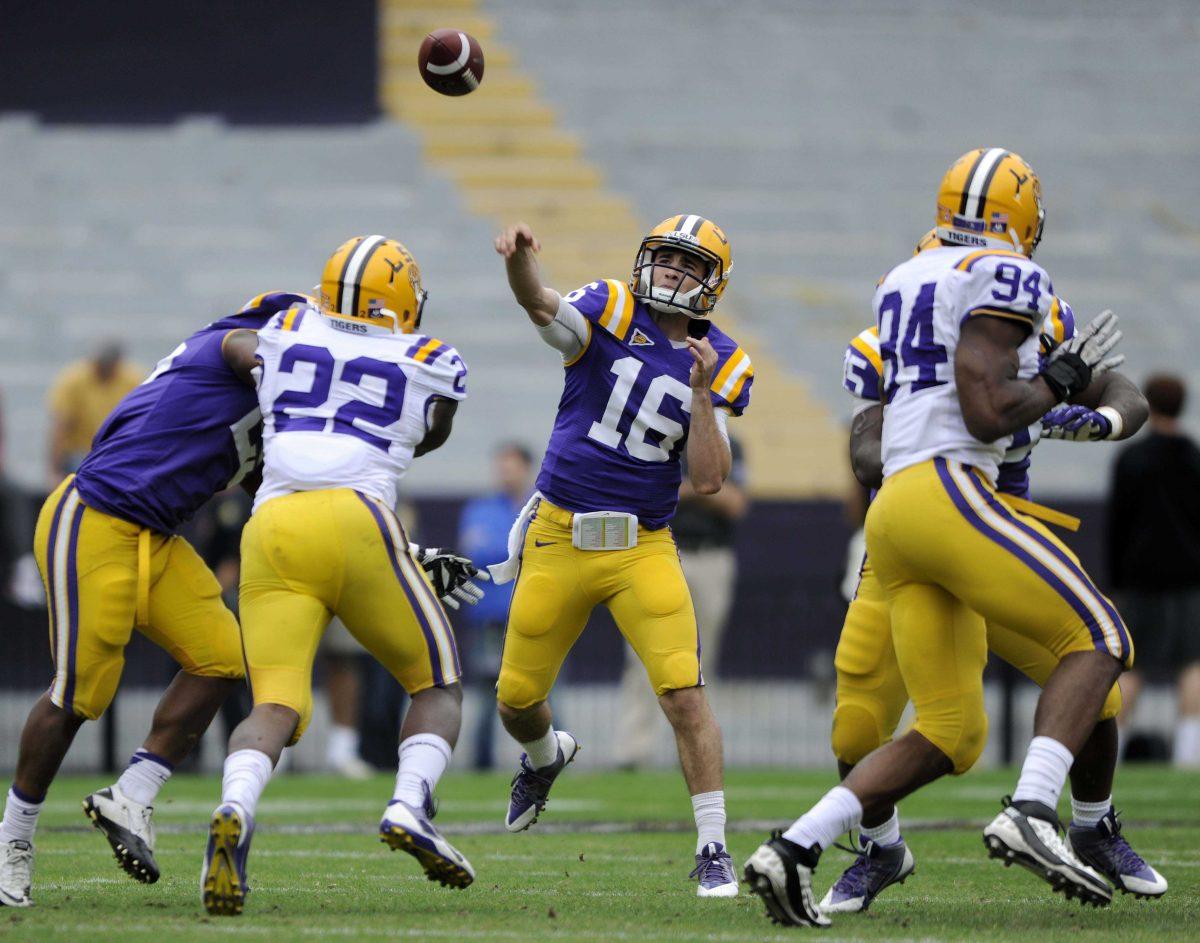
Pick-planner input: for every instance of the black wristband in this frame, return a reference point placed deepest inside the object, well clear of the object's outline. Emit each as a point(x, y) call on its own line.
point(1066, 375)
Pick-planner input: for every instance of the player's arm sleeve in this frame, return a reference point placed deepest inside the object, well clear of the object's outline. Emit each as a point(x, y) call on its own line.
point(569, 332)
point(1004, 285)
point(862, 367)
point(606, 304)
point(731, 385)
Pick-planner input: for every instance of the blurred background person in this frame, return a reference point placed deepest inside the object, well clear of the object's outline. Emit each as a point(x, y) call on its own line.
point(483, 536)
point(1154, 558)
point(340, 672)
point(705, 526)
point(83, 395)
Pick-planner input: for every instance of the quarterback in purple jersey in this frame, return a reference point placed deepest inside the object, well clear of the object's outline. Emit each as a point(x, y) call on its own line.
point(647, 375)
point(111, 563)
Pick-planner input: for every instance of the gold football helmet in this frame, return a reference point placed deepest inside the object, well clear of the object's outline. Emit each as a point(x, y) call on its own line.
point(374, 279)
point(696, 236)
point(992, 199)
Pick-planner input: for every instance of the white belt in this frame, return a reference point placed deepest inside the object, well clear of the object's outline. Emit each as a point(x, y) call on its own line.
point(594, 530)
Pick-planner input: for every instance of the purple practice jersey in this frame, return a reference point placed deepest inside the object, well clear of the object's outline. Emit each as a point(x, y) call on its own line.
point(624, 414)
point(191, 429)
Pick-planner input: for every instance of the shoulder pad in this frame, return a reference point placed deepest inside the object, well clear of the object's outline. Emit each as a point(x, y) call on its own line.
point(862, 366)
point(733, 379)
point(606, 303)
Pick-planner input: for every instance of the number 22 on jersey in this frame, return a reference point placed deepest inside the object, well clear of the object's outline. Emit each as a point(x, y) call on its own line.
point(647, 419)
point(353, 410)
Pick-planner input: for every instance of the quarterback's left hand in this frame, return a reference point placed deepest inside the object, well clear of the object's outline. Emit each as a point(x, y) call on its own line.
point(704, 362)
point(1080, 424)
point(451, 575)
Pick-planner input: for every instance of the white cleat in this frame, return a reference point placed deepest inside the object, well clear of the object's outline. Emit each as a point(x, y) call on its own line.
point(129, 828)
point(1027, 833)
point(781, 872)
point(16, 873)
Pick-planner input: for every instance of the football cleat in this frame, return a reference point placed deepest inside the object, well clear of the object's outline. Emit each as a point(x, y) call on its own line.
point(714, 871)
point(876, 867)
point(16, 873)
point(531, 787)
point(1027, 833)
point(223, 886)
point(781, 872)
point(1103, 847)
point(129, 828)
point(408, 828)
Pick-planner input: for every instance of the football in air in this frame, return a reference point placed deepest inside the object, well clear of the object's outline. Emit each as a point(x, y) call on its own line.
point(451, 62)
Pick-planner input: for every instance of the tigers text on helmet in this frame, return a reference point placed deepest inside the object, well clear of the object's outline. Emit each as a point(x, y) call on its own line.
point(990, 198)
point(374, 279)
point(696, 236)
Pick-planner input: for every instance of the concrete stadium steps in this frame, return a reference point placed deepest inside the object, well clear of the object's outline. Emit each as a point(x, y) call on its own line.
point(166, 228)
point(504, 148)
point(815, 134)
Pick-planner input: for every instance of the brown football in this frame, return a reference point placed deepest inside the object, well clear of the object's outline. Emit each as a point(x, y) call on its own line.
point(451, 62)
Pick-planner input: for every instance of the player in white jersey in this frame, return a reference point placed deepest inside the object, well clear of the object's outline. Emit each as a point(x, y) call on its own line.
point(871, 696)
point(349, 393)
point(959, 329)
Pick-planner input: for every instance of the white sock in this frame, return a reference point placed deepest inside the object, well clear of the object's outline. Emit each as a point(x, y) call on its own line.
point(423, 759)
point(1089, 813)
point(886, 834)
point(145, 775)
point(838, 811)
point(1044, 772)
point(709, 809)
point(1187, 742)
point(20, 817)
point(543, 751)
point(246, 775)
point(342, 746)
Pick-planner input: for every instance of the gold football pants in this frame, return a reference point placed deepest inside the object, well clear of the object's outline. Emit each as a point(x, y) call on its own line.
point(104, 577)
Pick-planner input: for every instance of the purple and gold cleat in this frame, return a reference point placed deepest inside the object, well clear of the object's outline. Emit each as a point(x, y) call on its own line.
point(409, 828)
point(223, 886)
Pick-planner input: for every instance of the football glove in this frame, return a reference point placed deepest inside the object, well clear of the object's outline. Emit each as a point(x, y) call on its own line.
point(451, 575)
point(1080, 424)
point(1073, 363)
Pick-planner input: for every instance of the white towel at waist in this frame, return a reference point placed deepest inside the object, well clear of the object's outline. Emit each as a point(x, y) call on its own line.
point(506, 572)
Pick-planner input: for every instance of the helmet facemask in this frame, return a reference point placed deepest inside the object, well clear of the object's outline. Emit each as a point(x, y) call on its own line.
point(698, 300)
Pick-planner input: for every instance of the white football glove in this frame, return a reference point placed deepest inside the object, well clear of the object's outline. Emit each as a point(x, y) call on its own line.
point(1073, 364)
point(451, 575)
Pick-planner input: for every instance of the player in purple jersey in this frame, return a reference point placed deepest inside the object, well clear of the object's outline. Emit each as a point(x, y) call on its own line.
point(110, 563)
point(647, 376)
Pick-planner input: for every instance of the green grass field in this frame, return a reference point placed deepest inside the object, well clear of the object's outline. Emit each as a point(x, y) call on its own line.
point(609, 861)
